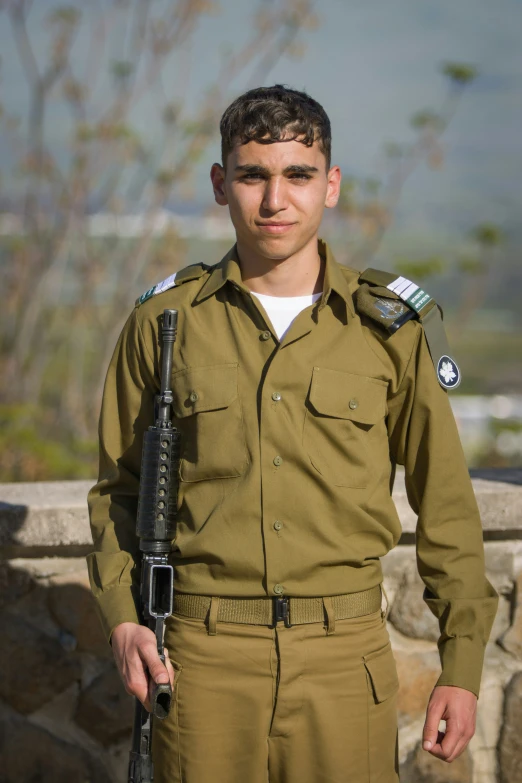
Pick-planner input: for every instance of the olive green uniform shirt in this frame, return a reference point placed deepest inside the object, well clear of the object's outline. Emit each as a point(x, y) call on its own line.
point(288, 458)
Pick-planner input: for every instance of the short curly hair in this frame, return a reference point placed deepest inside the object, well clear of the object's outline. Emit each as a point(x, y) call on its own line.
point(268, 114)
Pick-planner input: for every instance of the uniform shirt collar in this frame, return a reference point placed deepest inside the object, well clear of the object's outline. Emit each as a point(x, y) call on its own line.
point(335, 279)
point(229, 270)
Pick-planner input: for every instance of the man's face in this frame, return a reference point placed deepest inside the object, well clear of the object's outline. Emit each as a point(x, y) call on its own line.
point(276, 194)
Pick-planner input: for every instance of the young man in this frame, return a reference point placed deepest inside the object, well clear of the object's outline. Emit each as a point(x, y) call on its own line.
point(298, 386)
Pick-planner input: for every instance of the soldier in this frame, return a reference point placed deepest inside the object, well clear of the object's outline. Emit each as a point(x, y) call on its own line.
point(299, 385)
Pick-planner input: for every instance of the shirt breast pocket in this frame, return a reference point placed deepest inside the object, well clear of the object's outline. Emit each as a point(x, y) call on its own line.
point(341, 433)
point(208, 411)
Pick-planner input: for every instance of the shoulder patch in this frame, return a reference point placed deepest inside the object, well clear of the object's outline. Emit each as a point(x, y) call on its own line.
point(410, 293)
point(383, 307)
point(192, 272)
point(446, 368)
point(448, 372)
point(391, 301)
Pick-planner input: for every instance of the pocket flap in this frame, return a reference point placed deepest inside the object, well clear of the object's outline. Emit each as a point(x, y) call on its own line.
point(381, 667)
point(348, 396)
point(198, 389)
point(178, 668)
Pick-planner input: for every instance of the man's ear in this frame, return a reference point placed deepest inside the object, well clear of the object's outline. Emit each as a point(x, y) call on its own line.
point(334, 187)
point(217, 176)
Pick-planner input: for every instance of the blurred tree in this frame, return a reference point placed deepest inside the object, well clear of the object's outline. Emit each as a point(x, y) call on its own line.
point(419, 269)
point(67, 291)
point(369, 206)
point(477, 269)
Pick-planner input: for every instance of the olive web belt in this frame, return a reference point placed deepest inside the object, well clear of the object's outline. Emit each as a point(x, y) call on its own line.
point(259, 611)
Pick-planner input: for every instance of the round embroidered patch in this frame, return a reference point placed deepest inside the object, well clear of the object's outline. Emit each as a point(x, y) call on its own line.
point(448, 373)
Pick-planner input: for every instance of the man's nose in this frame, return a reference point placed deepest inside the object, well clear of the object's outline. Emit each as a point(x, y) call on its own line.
point(274, 197)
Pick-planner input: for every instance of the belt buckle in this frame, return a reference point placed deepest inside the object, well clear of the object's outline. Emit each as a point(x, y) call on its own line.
point(281, 611)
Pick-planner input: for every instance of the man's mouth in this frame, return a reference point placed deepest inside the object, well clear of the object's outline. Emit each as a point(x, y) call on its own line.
point(275, 228)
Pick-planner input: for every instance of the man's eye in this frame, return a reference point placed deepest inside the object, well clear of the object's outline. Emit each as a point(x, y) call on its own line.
point(295, 176)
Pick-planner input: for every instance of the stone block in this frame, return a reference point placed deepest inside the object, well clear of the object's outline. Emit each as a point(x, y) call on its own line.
point(510, 744)
point(34, 667)
point(393, 566)
point(409, 613)
point(500, 566)
point(31, 754)
point(498, 494)
point(489, 710)
point(418, 672)
point(46, 514)
point(511, 640)
point(117, 759)
point(59, 712)
point(485, 768)
point(395, 562)
point(423, 767)
point(53, 514)
point(502, 621)
point(73, 608)
point(33, 608)
point(54, 595)
point(15, 583)
point(105, 709)
point(43, 568)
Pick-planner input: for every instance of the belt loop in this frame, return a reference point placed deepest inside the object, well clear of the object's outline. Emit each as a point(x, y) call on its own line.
point(330, 614)
point(384, 612)
point(212, 615)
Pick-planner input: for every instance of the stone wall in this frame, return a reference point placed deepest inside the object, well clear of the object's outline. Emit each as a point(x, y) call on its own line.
point(65, 715)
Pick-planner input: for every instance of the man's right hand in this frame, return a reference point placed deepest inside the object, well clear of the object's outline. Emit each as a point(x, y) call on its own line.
point(136, 655)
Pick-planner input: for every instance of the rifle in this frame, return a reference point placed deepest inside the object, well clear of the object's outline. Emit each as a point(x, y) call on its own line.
point(155, 527)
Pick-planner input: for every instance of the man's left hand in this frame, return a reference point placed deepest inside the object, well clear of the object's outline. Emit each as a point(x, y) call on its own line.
point(458, 707)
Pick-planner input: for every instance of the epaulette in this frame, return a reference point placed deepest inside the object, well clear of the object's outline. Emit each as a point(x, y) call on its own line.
point(192, 272)
point(392, 301)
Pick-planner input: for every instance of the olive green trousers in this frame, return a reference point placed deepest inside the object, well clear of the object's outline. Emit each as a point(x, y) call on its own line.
point(255, 704)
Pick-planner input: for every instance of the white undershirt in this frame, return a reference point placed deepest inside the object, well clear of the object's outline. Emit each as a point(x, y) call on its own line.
point(283, 309)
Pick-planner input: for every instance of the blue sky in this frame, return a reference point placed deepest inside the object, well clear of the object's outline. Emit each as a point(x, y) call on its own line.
point(372, 65)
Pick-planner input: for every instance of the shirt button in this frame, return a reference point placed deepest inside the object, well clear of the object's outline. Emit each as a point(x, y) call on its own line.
point(278, 525)
point(353, 404)
point(276, 396)
point(278, 589)
point(278, 461)
point(265, 336)
point(194, 396)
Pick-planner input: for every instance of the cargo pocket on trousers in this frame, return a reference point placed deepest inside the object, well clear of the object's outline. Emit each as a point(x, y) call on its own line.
point(166, 752)
point(383, 686)
point(178, 668)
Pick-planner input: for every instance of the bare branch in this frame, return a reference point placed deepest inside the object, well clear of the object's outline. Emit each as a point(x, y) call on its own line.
point(17, 12)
